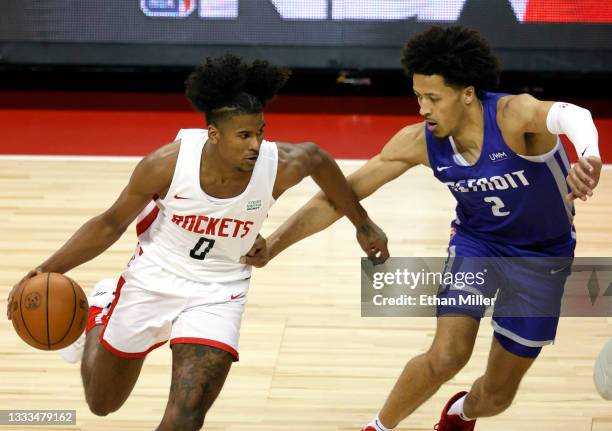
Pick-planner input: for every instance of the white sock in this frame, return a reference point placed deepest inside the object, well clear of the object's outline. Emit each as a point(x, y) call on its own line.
point(377, 424)
point(457, 409)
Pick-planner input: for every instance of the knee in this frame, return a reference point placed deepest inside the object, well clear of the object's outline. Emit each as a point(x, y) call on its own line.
point(101, 404)
point(100, 407)
point(185, 419)
point(445, 363)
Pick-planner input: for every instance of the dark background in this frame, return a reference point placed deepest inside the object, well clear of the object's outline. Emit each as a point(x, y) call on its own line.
point(113, 45)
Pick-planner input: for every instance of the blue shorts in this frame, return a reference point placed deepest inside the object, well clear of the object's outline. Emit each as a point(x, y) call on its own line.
point(526, 285)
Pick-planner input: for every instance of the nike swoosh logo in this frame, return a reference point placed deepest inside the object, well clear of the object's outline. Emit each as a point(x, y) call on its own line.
point(582, 155)
point(179, 197)
point(442, 168)
point(232, 296)
point(556, 271)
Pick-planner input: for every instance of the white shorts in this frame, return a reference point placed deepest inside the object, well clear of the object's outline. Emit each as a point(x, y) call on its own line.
point(152, 306)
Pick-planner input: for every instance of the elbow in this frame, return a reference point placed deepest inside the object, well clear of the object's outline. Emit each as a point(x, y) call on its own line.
point(585, 112)
point(562, 116)
point(312, 149)
point(317, 155)
point(309, 146)
point(585, 115)
point(312, 160)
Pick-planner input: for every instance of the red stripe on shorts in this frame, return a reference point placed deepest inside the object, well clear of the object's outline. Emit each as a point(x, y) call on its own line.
point(206, 342)
point(106, 344)
point(121, 354)
point(91, 321)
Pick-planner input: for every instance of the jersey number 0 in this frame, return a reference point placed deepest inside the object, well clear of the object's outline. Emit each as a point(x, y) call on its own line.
point(197, 252)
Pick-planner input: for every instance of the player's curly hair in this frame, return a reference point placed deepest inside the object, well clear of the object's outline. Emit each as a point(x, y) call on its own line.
point(226, 86)
point(459, 54)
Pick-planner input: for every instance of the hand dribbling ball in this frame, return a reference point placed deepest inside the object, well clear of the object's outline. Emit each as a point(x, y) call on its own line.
point(49, 311)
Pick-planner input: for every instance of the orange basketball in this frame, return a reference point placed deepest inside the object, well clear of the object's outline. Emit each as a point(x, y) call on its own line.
point(50, 311)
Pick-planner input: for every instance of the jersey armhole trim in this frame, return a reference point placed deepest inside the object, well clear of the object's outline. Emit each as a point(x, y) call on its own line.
point(542, 158)
point(175, 175)
point(275, 171)
point(457, 157)
point(173, 180)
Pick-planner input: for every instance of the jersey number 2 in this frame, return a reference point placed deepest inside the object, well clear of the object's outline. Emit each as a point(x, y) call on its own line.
point(498, 204)
point(197, 252)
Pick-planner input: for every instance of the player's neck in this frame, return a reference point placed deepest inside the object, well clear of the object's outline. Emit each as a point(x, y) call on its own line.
point(470, 132)
point(215, 166)
point(218, 178)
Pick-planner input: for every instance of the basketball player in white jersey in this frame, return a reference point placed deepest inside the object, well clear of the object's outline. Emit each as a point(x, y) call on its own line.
point(202, 201)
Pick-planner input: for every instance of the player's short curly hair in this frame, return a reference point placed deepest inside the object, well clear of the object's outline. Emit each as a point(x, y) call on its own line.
point(225, 86)
point(459, 54)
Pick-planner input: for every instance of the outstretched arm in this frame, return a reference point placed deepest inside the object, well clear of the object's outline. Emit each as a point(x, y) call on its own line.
point(151, 176)
point(405, 150)
point(534, 116)
point(298, 161)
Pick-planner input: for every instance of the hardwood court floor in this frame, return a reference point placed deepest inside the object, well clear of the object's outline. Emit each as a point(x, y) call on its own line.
point(309, 362)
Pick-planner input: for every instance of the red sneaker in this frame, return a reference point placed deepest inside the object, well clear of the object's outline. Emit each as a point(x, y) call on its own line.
point(368, 428)
point(454, 422)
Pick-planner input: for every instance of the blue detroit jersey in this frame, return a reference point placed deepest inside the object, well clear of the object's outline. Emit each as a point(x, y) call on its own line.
point(505, 197)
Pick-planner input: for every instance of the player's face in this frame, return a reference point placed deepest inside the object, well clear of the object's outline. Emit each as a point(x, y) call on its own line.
point(239, 138)
point(440, 104)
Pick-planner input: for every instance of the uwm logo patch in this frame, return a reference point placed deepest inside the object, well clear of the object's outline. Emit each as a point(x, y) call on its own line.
point(499, 156)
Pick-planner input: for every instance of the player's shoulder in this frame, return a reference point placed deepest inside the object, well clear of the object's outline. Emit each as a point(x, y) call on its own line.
point(158, 166)
point(412, 133)
point(516, 110)
point(517, 102)
point(195, 134)
point(408, 145)
point(164, 155)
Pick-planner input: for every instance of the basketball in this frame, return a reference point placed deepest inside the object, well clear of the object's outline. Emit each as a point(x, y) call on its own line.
point(49, 311)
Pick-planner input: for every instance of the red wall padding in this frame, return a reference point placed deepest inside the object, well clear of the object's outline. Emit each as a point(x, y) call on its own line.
point(134, 124)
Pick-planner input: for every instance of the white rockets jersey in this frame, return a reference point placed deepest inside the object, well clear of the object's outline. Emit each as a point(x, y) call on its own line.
point(200, 237)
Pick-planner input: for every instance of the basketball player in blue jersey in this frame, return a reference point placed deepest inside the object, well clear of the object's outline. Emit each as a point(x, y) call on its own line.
point(502, 160)
point(187, 283)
